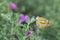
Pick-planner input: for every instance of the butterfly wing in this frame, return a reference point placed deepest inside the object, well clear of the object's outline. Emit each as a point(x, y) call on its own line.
point(42, 22)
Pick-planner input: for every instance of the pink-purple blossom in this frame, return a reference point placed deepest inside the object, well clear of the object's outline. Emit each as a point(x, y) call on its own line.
point(30, 32)
point(23, 18)
point(13, 6)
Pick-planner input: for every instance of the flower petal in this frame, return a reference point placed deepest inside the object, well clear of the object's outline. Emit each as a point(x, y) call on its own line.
point(13, 6)
point(26, 17)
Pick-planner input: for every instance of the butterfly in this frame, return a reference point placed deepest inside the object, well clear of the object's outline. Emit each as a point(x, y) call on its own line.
point(42, 22)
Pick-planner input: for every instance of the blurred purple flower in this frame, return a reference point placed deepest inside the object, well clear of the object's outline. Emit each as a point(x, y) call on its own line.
point(23, 18)
point(29, 32)
point(13, 6)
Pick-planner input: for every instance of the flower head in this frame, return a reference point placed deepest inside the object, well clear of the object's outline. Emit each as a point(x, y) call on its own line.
point(13, 6)
point(23, 18)
point(29, 32)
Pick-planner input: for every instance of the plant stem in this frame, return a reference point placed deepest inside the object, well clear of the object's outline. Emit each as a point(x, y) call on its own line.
point(12, 25)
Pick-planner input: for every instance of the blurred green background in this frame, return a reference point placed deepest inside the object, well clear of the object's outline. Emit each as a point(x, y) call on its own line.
point(49, 9)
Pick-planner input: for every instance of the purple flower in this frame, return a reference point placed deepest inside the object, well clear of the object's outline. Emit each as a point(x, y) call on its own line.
point(13, 6)
point(23, 18)
point(30, 32)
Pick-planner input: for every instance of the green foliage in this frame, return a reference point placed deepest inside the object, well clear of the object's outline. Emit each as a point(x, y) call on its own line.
point(11, 29)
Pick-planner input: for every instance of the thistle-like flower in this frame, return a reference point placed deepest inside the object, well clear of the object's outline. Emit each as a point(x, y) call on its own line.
point(29, 32)
point(23, 18)
point(13, 6)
